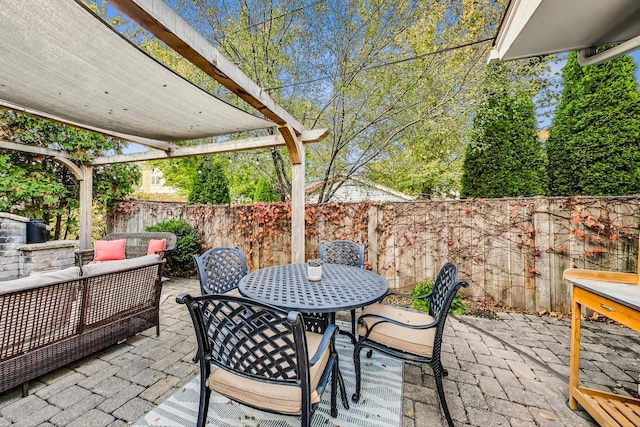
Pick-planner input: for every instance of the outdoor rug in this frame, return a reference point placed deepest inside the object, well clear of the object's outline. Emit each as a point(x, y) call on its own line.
point(380, 403)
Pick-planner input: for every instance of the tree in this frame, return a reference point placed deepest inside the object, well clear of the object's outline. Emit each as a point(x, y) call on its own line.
point(504, 157)
point(594, 141)
point(376, 113)
point(210, 185)
point(264, 192)
point(39, 187)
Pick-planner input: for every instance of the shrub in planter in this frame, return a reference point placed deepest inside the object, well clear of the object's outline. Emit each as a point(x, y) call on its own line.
point(424, 287)
point(188, 243)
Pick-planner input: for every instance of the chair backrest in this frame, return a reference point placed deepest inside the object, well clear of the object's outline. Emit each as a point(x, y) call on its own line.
point(343, 252)
point(220, 269)
point(444, 286)
point(250, 339)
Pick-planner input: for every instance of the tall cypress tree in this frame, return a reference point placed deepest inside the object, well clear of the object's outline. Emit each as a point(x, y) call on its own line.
point(594, 142)
point(504, 157)
point(210, 184)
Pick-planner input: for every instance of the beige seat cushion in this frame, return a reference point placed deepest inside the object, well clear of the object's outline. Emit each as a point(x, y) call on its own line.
point(272, 397)
point(37, 280)
point(415, 341)
point(105, 267)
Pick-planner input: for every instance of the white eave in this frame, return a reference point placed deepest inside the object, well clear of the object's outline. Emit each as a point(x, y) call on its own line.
point(540, 27)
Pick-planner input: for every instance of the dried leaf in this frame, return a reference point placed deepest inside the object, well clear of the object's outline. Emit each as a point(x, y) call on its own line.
point(546, 417)
point(541, 313)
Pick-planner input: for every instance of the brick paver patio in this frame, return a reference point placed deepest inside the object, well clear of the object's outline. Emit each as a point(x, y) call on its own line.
point(510, 372)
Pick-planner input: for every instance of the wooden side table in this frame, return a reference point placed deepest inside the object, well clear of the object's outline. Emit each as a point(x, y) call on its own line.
point(619, 301)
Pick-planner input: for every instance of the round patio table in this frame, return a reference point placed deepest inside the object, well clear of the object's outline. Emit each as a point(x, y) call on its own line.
point(342, 287)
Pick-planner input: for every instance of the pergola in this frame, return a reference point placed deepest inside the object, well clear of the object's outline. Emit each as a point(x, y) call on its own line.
point(60, 61)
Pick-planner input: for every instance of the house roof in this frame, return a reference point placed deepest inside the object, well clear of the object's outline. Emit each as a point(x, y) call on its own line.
point(369, 191)
point(540, 27)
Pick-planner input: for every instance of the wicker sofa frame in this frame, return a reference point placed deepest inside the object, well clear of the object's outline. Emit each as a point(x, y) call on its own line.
point(136, 245)
point(47, 327)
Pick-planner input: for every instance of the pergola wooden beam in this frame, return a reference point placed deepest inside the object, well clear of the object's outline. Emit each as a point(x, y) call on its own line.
point(195, 150)
point(220, 147)
point(166, 25)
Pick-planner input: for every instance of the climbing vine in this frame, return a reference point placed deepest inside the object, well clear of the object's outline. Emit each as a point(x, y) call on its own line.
point(513, 251)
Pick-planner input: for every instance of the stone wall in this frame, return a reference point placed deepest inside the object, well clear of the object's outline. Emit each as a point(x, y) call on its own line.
point(19, 259)
point(13, 232)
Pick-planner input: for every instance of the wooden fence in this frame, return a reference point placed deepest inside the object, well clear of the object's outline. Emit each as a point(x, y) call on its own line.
point(512, 251)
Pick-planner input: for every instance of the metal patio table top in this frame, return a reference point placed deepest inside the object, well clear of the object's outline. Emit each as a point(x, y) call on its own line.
point(342, 287)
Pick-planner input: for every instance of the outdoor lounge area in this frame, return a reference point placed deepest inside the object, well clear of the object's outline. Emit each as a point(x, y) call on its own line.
point(268, 334)
point(509, 371)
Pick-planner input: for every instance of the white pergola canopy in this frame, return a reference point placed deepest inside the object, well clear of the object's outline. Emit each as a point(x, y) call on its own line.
point(60, 61)
point(541, 27)
point(57, 57)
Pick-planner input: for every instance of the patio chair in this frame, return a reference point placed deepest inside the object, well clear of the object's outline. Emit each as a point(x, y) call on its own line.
point(261, 356)
point(410, 335)
point(220, 270)
point(343, 252)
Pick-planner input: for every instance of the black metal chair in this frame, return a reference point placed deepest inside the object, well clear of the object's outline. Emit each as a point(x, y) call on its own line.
point(343, 252)
point(220, 269)
point(409, 335)
point(262, 356)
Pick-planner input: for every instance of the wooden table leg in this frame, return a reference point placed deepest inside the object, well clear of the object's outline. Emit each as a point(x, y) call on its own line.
point(574, 360)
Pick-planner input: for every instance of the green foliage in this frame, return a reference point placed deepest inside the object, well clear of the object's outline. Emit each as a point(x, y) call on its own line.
point(38, 187)
point(504, 157)
point(426, 286)
point(180, 260)
point(594, 142)
point(265, 192)
point(210, 185)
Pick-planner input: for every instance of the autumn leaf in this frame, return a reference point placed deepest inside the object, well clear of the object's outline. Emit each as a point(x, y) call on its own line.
point(596, 250)
point(546, 417)
point(575, 218)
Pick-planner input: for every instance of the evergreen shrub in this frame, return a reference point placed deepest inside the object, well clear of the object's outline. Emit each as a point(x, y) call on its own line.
point(188, 243)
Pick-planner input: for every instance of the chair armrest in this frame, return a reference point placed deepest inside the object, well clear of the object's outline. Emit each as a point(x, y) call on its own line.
point(83, 256)
point(328, 336)
point(382, 319)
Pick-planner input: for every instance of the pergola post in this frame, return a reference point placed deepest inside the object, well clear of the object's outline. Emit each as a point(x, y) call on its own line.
point(297, 207)
point(86, 206)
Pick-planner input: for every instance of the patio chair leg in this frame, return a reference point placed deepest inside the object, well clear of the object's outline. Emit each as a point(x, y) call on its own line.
point(334, 389)
point(203, 408)
point(443, 401)
point(356, 363)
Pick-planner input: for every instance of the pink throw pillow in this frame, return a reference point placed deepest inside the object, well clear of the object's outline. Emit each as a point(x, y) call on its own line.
point(108, 250)
point(156, 245)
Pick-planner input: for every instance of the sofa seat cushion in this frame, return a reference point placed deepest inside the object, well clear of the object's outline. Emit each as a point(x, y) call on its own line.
point(278, 398)
point(415, 341)
point(94, 269)
point(40, 279)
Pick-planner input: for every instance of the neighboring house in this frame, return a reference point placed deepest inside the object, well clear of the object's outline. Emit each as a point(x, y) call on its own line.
point(152, 181)
point(543, 135)
point(357, 189)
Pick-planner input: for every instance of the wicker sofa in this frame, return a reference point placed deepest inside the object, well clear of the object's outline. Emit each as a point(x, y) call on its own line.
point(135, 245)
point(50, 320)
